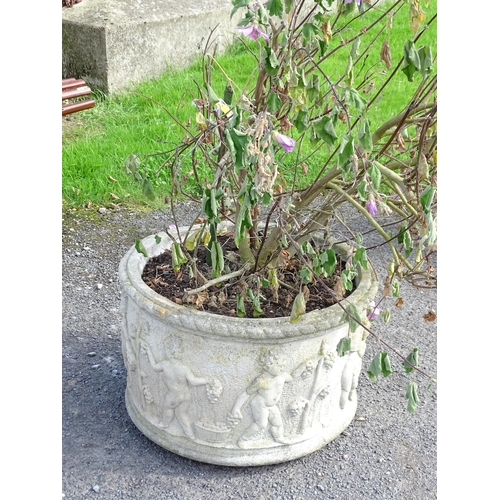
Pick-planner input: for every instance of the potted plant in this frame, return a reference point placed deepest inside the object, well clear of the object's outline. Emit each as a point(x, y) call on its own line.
point(243, 333)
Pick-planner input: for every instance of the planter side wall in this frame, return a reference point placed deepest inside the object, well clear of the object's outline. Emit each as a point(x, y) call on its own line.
point(232, 391)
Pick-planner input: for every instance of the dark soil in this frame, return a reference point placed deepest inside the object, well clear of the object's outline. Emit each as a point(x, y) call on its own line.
point(221, 298)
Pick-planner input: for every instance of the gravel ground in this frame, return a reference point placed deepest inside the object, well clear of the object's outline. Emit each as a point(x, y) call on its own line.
point(385, 453)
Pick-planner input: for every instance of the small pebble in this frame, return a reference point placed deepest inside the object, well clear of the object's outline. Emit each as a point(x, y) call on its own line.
point(96, 488)
point(99, 286)
point(91, 354)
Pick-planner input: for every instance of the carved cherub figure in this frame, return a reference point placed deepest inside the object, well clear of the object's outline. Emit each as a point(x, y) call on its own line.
point(263, 395)
point(178, 399)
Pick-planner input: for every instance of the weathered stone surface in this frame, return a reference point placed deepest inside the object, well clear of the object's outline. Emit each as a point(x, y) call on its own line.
point(114, 44)
point(235, 391)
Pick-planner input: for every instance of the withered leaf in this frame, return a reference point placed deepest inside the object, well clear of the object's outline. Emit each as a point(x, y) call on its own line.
point(399, 302)
point(385, 54)
point(430, 316)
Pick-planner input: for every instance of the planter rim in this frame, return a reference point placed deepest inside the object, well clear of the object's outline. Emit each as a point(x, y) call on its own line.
point(130, 274)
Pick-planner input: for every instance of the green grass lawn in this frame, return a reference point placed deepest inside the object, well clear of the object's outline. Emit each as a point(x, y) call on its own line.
point(95, 148)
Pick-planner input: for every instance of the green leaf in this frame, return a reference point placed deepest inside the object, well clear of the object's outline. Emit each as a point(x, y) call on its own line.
point(329, 261)
point(305, 275)
point(273, 102)
point(375, 176)
point(361, 258)
point(379, 365)
point(271, 62)
point(411, 358)
point(212, 96)
point(364, 135)
point(352, 316)
point(355, 47)
point(411, 60)
point(298, 307)
point(425, 57)
point(217, 259)
point(157, 239)
point(324, 128)
point(427, 197)
point(309, 32)
point(344, 346)
point(346, 149)
point(363, 195)
point(240, 306)
point(353, 98)
point(412, 396)
point(238, 4)
point(147, 189)
point(178, 257)
point(237, 144)
point(301, 121)
point(140, 247)
point(275, 7)
point(386, 315)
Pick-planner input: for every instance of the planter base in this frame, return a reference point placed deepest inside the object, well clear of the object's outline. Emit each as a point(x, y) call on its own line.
point(257, 452)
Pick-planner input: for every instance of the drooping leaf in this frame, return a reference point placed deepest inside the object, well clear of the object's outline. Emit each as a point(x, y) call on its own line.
point(344, 346)
point(140, 247)
point(178, 257)
point(298, 307)
point(238, 4)
point(240, 306)
point(346, 149)
point(275, 7)
point(379, 365)
point(365, 135)
point(353, 98)
point(412, 396)
point(238, 142)
point(217, 259)
point(385, 54)
point(375, 176)
point(301, 120)
point(361, 258)
point(352, 316)
point(411, 358)
point(427, 197)
point(147, 189)
point(417, 15)
point(310, 31)
point(411, 60)
point(329, 261)
point(271, 62)
point(273, 102)
point(212, 96)
point(324, 128)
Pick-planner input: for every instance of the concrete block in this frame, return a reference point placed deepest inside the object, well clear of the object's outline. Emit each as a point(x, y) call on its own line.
point(114, 44)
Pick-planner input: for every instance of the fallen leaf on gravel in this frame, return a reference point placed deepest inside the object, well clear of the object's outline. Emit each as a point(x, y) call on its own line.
point(399, 302)
point(430, 316)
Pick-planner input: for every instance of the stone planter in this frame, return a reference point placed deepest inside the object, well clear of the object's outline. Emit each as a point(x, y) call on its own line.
point(236, 391)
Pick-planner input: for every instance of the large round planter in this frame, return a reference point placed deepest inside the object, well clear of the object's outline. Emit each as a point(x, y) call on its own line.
point(236, 391)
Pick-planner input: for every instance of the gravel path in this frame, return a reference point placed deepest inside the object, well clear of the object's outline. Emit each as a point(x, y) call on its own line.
point(385, 453)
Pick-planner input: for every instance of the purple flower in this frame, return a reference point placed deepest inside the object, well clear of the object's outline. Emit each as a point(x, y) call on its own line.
point(372, 311)
point(350, 1)
point(253, 32)
point(371, 206)
point(287, 143)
